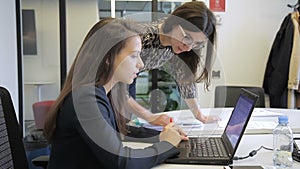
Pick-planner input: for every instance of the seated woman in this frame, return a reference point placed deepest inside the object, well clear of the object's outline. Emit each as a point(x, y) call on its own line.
point(86, 124)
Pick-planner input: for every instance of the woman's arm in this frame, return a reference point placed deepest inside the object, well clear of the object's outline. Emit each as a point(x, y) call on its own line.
point(138, 110)
point(187, 87)
point(154, 119)
point(195, 108)
point(98, 129)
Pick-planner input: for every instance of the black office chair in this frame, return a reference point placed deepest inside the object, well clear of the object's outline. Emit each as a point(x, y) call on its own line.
point(226, 96)
point(12, 151)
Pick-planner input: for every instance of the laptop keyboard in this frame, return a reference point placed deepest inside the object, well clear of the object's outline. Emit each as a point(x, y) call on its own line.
point(206, 147)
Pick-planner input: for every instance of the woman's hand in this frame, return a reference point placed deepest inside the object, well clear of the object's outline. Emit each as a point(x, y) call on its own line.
point(173, 134)
point(159, 120)
point(207, 119)
point(195, 108)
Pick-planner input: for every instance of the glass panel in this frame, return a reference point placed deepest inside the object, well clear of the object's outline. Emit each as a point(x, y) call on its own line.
point(41, 64)
point(123, 8)
point(167, 89)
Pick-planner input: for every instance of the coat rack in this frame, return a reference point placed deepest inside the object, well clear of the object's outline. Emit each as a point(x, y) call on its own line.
point(296, 7)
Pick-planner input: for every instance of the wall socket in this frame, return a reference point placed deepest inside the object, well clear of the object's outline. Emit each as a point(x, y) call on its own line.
point(216, 74)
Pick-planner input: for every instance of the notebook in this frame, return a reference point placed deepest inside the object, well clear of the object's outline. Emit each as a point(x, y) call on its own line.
point(193, 151)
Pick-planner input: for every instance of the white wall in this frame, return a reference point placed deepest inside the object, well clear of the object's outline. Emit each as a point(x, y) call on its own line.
point(8, 50)
point(244, 41)
point(45, 66)
point(245, 36)
point(81, 16)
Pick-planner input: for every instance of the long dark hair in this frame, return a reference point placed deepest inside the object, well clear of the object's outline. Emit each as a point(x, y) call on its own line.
point(93, 66)
point(203, 19)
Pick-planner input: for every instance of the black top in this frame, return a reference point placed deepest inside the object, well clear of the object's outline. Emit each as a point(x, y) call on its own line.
point(87, 137)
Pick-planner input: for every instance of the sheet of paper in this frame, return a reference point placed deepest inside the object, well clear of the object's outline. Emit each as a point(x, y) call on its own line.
point(184, 118)
point(254, 124)
point(258, 112)
point(158, 128)
point(180, 117)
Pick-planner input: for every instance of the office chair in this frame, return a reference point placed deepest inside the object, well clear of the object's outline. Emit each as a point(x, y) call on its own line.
point(12, 151)
point(40, 110)
point(226, 96)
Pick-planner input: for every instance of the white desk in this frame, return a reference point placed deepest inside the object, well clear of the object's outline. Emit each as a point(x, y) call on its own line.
point(262, 121)
point(247, 144)
point(39, 89)
point(253, 138)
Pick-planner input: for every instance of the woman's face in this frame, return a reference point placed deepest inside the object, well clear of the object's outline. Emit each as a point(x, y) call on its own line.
point(128, 62)
point(183, 40)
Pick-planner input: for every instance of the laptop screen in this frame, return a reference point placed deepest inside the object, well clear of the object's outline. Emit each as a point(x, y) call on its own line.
point(238, 119)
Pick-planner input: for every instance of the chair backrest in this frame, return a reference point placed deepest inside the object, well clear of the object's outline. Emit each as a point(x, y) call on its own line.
point(226, 96)
point(12, 151)
point(40, 110)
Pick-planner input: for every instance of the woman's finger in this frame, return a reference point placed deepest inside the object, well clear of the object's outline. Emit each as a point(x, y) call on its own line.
point(168, 126)
point(181, 132)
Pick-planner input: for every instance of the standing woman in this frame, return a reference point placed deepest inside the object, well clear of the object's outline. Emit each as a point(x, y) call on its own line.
point(86, 124)
point(175, 46)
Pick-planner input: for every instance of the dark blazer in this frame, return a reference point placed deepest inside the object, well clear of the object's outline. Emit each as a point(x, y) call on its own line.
point(87, 137)
point(277, 69)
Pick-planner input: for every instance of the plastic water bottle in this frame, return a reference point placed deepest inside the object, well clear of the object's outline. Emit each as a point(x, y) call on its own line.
point(283, 144)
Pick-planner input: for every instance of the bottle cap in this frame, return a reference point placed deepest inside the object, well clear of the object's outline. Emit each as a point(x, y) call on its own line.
point(283, 119)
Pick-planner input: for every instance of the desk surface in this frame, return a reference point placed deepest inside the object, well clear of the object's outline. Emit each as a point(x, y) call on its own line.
point(247, 144)
point(262, 121)
point(255, 136)
point(39, 83)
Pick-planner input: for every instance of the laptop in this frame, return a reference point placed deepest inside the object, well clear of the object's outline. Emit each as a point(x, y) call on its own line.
point(222, 149)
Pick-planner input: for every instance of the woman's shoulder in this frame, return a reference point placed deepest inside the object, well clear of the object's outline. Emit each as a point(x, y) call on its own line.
point(151, 28)
point(90, 93)
point(150, 38)
point(86, 90)
point(91, 97)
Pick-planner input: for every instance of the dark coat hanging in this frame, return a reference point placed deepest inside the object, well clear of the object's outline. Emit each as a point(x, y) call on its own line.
point(277, 69)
